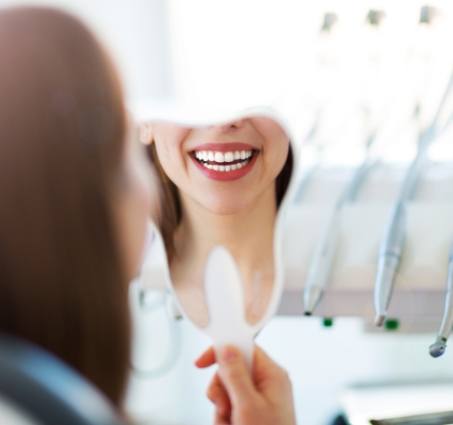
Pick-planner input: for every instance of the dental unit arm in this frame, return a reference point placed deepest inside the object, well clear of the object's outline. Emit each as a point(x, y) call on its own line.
point(392, 245)
point(322, 262)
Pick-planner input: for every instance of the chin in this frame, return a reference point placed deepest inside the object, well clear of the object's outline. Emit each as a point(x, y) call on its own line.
point(223, 207)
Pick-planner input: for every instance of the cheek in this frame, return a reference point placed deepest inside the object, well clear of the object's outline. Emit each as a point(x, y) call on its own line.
point(169, 140)
point(277, 155)
point(276, 144)
point(171, 159)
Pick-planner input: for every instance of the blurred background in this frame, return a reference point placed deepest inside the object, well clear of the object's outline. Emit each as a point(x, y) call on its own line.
point(347, 67)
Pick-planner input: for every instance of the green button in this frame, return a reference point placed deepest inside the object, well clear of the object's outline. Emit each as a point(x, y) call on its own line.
point(327, 322)
point(392, 324)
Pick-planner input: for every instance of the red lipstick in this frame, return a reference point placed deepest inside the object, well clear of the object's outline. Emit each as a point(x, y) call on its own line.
point(241, 159)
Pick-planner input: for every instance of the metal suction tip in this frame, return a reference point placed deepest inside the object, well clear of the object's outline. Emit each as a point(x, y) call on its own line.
point(438, 348)
point(379, 320)
point(307, 313)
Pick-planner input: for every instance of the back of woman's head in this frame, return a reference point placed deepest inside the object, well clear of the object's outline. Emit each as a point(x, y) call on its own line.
point(62, 129)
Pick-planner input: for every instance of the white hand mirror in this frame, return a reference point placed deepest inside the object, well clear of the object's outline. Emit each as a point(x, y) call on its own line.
point(224, 188)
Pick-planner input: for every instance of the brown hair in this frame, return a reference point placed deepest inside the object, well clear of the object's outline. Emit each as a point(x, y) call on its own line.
point(62, 130)
point(171, 211)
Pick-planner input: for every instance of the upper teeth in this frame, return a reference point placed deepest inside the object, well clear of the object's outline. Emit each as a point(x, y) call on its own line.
point(221, 157)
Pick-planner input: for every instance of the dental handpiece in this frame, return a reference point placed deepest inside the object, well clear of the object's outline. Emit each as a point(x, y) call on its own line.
point(392, 245)
point(393, 242)
point(321, 265)
point(440, 345)
point(311, 171)
point(360, 174)
point(389, 258)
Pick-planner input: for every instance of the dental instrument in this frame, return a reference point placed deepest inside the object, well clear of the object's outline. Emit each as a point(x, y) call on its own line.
point(321, 265)
point(389, 259)
point(307, 176)
point(440, 345)
point(323, 257)
point(392, 245)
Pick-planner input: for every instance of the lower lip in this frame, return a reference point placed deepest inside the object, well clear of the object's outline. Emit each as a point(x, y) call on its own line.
point(226, 175)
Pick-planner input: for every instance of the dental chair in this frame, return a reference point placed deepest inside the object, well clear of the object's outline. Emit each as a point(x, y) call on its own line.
point(38, 389)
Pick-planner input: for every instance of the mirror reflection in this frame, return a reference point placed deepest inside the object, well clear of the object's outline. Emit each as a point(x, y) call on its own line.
point(221, 185)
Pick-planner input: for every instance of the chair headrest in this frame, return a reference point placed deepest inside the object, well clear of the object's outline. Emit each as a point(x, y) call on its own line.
point(48, 390)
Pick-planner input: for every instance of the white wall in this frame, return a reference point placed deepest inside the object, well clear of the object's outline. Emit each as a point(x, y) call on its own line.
point(135, 31)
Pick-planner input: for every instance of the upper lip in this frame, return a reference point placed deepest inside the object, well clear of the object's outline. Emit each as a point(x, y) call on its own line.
point(224, 147)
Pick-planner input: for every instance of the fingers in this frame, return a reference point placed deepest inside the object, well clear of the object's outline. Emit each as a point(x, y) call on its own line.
point(235, 376)
point(219, 397)
point(264, 367)
point(208, 358)
point(268, 376)
point(262, 395)
point(220, 419)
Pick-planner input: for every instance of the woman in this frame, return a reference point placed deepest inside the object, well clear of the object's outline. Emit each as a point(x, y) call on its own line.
point(74, 197)
point(74, 192)
point(221, 185)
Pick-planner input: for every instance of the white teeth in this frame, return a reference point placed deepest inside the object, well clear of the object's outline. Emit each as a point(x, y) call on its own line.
point(218, 161)
point(229, 156)
point(218, 157)
point(222, 157)
point(226, 168)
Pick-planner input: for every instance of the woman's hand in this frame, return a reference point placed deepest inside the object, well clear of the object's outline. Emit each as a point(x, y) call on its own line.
point(262, 397)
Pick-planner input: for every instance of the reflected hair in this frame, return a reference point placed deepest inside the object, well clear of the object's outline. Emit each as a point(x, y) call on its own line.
point(171, 210)
point(62, 132)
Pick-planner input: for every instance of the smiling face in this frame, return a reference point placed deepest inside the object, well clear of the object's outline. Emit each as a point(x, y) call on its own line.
point(224, 168)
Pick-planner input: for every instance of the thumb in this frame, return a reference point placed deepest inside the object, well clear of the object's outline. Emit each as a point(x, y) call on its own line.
point(235, 376)
point(264, 368)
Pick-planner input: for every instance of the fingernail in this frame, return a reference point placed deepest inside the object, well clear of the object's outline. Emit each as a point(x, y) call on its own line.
point(229, 354)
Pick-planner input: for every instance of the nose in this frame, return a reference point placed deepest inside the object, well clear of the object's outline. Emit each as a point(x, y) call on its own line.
point(230, 126)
